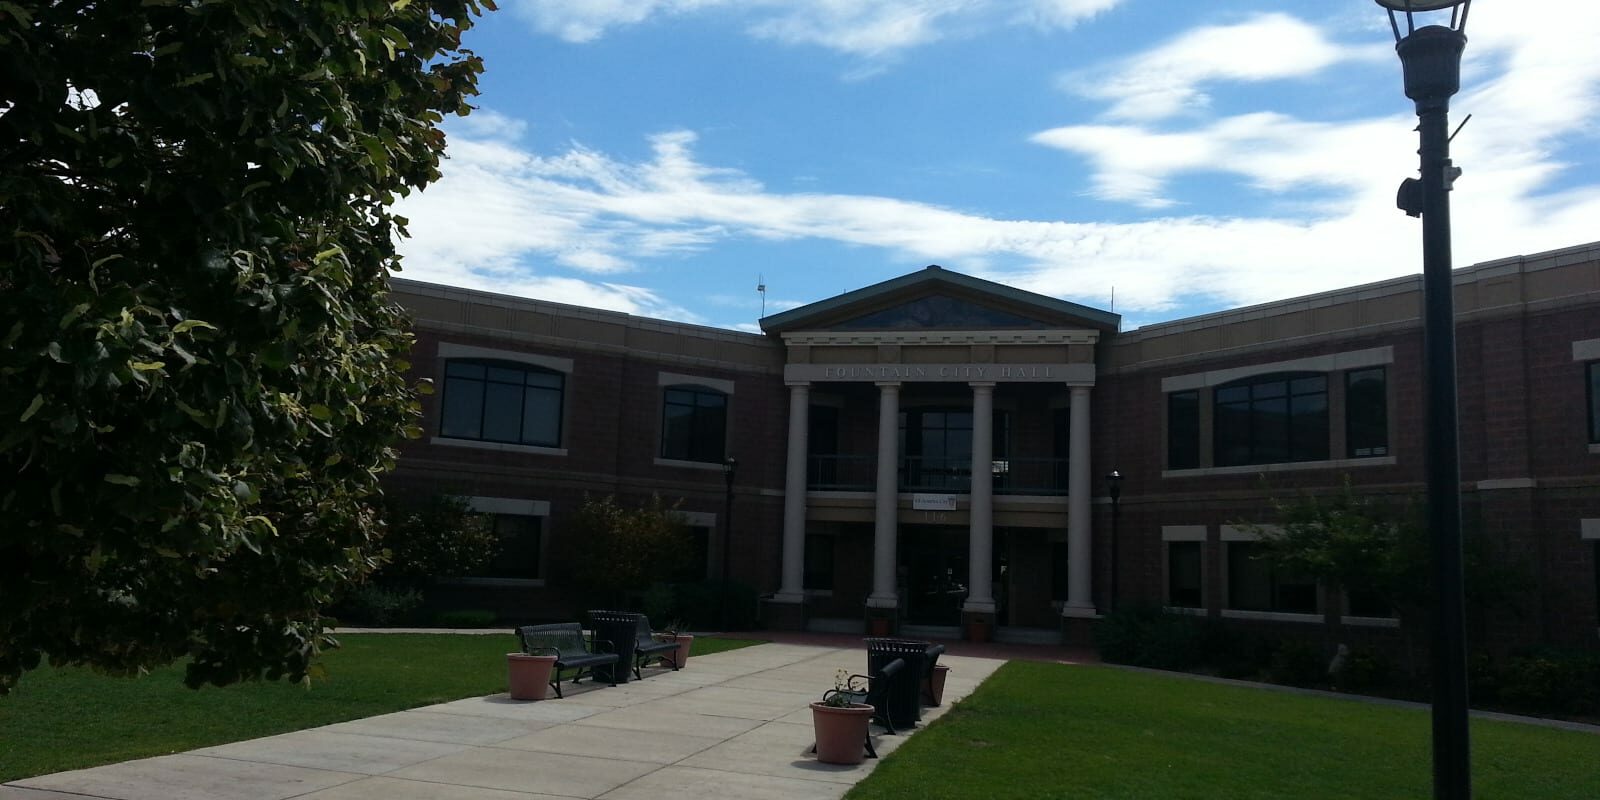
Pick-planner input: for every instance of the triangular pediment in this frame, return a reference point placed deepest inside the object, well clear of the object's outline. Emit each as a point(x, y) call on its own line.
point(938, 299)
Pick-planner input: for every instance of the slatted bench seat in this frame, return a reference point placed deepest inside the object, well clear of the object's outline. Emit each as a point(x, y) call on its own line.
point(646, 647)
point(565, 641)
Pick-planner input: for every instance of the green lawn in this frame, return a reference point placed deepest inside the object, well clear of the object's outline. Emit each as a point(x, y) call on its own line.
point(61, 719)
point(1040, 731)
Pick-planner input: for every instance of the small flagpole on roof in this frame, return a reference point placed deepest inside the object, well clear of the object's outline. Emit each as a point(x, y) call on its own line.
point(761, 288)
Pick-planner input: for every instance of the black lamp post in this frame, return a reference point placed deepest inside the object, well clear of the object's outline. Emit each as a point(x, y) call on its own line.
point(729, 466)
point(1431, 58)
point(1114, 489)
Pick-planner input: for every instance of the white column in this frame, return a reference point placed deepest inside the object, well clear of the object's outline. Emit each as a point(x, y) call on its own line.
point(792, 588)
point(887, 524)
point(980, 535)
point(1079, 553)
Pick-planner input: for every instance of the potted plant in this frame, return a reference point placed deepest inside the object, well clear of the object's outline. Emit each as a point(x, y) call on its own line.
point(528, 676)
point(674, 633)
point(840, 720)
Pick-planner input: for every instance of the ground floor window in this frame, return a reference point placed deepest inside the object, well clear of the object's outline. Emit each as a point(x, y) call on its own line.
point(1184, 573)
point(818, 562)
point(521, 553)
point(1368, 604)
point(1254, 584)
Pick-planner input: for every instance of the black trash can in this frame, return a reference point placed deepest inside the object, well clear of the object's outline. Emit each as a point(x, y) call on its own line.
point(617, 630)
point(905, 690)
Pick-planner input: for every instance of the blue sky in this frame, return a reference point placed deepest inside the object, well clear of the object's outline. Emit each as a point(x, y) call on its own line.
point(659, 156)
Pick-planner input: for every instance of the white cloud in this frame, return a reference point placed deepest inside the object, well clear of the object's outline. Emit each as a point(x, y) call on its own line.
point(551, 224)
point(867, 28)
point(1169, 79)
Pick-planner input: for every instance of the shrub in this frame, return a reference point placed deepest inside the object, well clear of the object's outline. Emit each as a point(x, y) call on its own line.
point(437, 537)
point(1366, 670)
point(465, 618)
point(1548, 680)
point(1298, 663)
point(377, 605)
point(1149, 637)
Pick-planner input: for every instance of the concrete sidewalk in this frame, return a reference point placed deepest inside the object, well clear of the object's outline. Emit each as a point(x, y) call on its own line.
point(732, 725)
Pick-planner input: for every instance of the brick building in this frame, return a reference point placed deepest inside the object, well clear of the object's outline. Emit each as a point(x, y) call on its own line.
point(863, 507)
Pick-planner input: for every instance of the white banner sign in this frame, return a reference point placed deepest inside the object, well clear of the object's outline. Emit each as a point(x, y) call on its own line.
point(933, 502)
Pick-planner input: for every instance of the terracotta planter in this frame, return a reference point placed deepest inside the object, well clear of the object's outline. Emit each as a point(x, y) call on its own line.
point(528, 676)
point(841, 732)
point(978, 632)
point(685, 641)
point(933, 690)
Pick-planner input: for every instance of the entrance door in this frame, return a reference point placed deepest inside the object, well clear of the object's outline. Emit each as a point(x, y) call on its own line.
point(933, 573)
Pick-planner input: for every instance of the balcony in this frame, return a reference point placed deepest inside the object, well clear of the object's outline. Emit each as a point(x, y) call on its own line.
point(1012, 476)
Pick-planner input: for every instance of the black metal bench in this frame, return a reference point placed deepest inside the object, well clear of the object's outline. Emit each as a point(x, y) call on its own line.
point(872, 690)
point(646, 647)
point(565, 640)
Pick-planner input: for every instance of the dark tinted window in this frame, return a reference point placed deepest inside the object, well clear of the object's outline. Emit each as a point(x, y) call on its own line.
point(1271, 419)
point(694, 423)
point(1594, 403)
point(1366, 413)
point(502, 402)
point(519, 552)
point(1183, 430)
point(819, 562)
point(1255, 585)
point(1183, 575)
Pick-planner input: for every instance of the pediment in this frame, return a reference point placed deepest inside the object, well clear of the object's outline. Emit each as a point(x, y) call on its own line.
point(935, 299)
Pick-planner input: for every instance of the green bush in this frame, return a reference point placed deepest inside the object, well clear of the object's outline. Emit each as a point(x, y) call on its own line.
point(1149, 637)
point(1297, 663)
point(1367, 670)
point(377, 605)
point(465, 618)
point(1549, 680)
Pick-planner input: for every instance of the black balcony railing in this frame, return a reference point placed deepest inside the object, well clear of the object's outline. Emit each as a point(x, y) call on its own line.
point(858, 473)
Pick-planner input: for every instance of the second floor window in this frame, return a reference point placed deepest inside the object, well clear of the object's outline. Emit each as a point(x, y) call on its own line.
point(1272, 419)
point(694, 424)
point(1183, 430)
point(501, 401)
point(1366, 413)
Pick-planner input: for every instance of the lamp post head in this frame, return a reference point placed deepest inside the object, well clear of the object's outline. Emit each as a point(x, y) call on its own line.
point(1431, 54)
point(1114, 484)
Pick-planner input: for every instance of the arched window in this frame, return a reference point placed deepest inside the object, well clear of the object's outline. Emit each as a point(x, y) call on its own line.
point(502, 401)
point(694, 423)
point(1270, 419)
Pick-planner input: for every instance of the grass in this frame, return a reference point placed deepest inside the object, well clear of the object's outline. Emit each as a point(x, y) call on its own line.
point(60, 719)
point(1041, 731)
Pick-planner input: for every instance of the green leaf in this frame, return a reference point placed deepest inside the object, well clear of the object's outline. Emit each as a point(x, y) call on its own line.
point(190, 324)
point(321, 412)
point(33, 408)
point(121, 480)
point(327, 254)
point(147, 366)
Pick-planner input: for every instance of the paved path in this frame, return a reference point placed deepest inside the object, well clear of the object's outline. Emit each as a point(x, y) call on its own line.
point(732, 725)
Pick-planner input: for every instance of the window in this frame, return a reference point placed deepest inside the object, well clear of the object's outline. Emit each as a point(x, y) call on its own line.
point(694, 423)
point(1272, 419)
point(1183, 430)
point(937, 445)
point(499, 401)
point(818, 562)
point(519, 554)
point(1255, 585)
point(1184, 575)
point(1366, 413)
point(1594, 402)
point(822, 446)
point(1364, 603)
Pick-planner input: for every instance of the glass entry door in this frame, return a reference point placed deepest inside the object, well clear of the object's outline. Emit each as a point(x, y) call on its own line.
point(933, 573)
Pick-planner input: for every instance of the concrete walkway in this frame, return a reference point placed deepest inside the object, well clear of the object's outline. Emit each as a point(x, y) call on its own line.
point(732, 725)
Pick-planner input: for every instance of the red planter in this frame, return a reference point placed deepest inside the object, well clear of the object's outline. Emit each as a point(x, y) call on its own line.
point(841, 732)
point(685, 641)
point(528, 677)
point(933, 691)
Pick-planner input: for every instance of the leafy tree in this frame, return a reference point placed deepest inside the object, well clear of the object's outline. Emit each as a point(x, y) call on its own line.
point(609, 550)
point(1361, 543)
point(437, 537)
point(200, 371)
